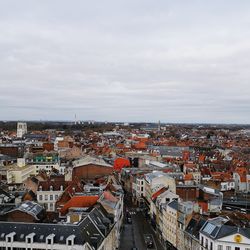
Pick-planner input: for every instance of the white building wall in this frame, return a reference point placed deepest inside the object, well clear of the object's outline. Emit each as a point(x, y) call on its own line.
point(21, 129)
point(48, 199)
point(223, 243)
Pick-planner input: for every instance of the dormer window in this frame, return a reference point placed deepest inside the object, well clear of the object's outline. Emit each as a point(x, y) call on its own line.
point(29, 238)
point(10, 237)
point(70, 240)
point(50, 239)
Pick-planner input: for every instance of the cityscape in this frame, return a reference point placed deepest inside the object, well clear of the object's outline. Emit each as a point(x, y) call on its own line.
point(92, 185)
point(124, 125)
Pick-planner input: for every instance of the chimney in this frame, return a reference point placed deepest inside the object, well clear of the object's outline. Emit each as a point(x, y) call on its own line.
point(20, 162)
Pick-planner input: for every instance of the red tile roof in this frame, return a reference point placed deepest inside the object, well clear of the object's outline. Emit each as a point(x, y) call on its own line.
point(79, 201)
point(157, 193)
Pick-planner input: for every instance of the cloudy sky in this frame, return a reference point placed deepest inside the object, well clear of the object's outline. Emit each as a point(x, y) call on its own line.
point(125, 60)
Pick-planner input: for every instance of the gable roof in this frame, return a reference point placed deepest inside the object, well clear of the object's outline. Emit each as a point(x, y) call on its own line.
point(29, 207)
point(79, 201)
point(92, 229)
point(216, 228)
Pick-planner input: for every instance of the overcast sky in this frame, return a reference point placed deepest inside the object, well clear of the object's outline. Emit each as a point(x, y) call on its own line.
point(125, 60)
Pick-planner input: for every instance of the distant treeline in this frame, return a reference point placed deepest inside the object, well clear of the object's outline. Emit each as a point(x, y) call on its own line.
point(64, 126)
point(101, 126)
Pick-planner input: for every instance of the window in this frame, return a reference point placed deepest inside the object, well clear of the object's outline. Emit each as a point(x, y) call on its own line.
point(229, 248)
point(70, 242)
point(51, 197)
point(202, 240)
point(211, 245)
point(46, 197)
point(56, 196)
point(220, 247)
point(29, 240)
point(237, 248)
point(49, 241)
point(206, 243)
point(141, 188)
point(40, 197)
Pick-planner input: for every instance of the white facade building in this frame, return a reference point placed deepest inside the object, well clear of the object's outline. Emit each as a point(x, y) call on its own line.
point(138, 189)
point(48, 198)
point(21, 129)
point(216, 234)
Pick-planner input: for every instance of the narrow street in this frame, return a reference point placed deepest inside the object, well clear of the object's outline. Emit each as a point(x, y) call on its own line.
point(133, 235)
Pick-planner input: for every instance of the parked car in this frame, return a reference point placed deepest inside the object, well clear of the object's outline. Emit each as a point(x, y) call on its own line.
point(129, 220)
point(148, 240)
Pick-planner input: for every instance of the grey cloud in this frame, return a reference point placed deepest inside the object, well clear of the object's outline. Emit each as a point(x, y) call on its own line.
point(134, 60)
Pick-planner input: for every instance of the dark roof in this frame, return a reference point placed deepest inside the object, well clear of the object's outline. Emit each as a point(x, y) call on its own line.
point(216, 229)
point(173, 204)
point(36, 136)
point(34, 179)
point(31, 208)
point(87, 230)
point(6, 158)
point(194, 226)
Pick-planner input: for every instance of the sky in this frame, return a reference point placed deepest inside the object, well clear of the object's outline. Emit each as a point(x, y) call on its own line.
point(125, 60)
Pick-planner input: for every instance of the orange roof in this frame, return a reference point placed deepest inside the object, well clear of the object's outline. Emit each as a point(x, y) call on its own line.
point(202, 158)
point(140, 145)
point(203, 205)
point(120, 145)
point(189, 165)
point(188, 177)
point(241, 170)
point(120, 163)
point(79, 201)
point(243, 178)
point(157, 193)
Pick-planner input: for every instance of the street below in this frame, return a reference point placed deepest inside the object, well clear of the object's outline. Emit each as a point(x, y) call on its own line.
point(134, 234)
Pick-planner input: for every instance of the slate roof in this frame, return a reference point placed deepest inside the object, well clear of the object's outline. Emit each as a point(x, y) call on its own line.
point(173, 204)
point(93, 228)
point(29, 207)
point(216, 228)
point(194, 226)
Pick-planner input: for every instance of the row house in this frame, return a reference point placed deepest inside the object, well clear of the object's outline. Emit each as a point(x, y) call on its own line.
point(49, 192)
point(170, 225)
point(185, 213)
point(219, 234)
point(113, 204)
point(160, 199)
point(155, 181)
point(192, 233)
point(95, 230)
